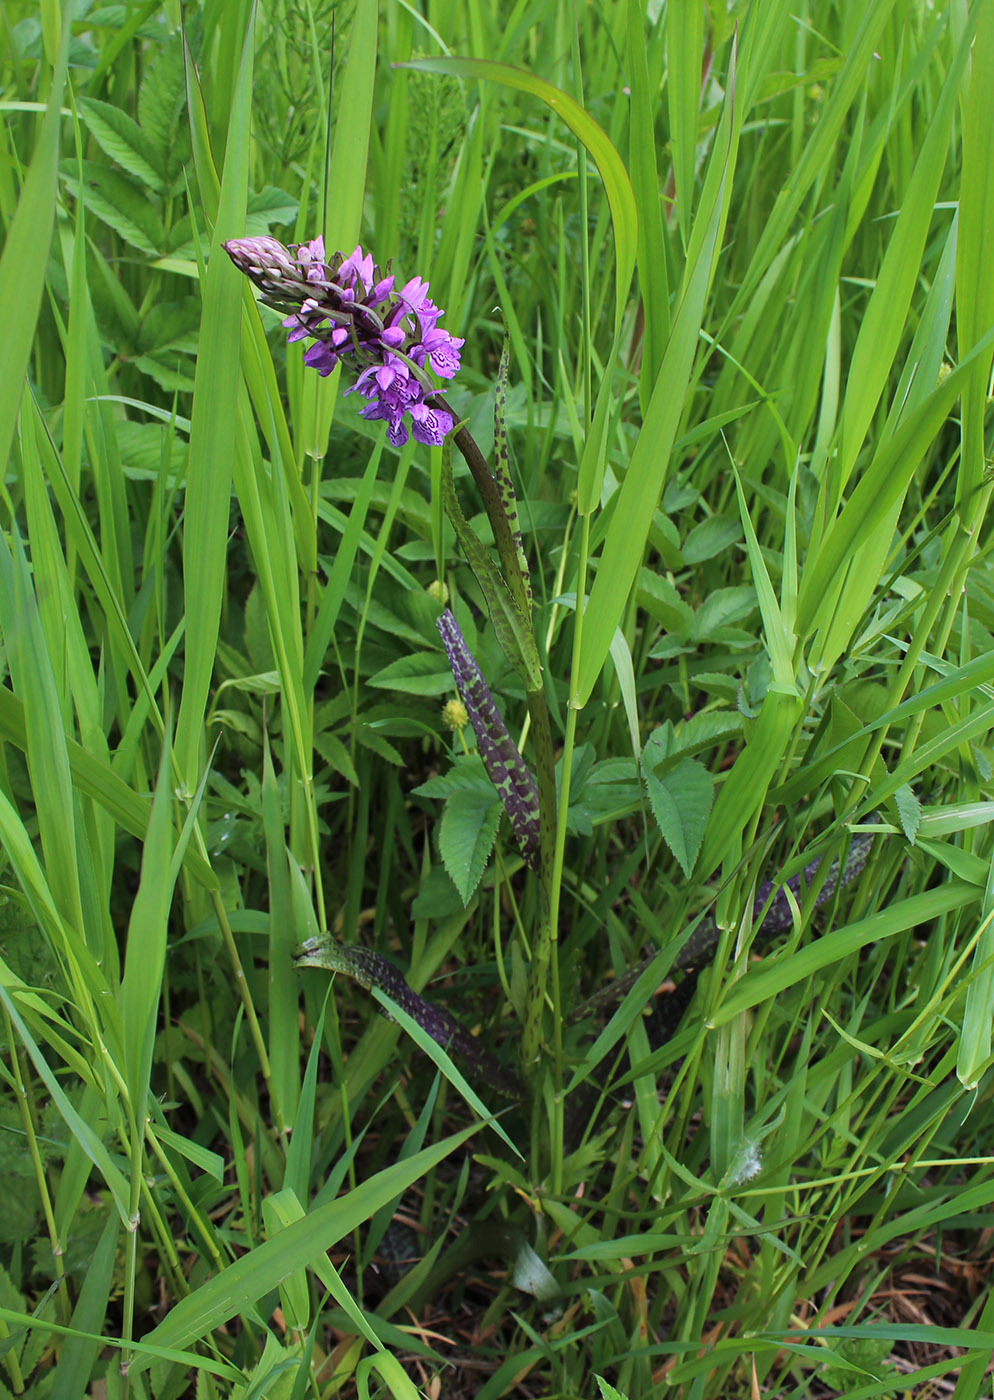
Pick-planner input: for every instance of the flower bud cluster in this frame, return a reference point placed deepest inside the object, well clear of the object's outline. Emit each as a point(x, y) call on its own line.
point(351, 311)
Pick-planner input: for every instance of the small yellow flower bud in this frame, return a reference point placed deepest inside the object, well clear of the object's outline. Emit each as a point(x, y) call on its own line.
point(438, 589)
point(454, 715)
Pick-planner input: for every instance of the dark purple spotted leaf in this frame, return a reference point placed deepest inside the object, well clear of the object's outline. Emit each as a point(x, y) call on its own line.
point(370, 969)
point(518, 581)
point(505, 767)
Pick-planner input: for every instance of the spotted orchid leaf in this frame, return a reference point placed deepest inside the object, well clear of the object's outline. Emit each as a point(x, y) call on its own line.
point(371, 970)
point(518, 579)
point(505, 767)
point(512, 628)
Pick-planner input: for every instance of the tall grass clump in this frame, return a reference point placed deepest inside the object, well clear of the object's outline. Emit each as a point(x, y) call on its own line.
point(497, 670)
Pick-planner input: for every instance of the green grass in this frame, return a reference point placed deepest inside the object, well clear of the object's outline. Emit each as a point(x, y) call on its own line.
point(751, 327)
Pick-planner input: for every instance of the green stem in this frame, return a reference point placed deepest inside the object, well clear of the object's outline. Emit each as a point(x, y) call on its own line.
point(490, 496)
point(550, 836)
point(255, 1030)
point(131, 1251)
point(25, 1108)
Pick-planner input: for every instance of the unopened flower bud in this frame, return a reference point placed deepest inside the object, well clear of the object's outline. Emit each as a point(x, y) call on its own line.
point(438, 591)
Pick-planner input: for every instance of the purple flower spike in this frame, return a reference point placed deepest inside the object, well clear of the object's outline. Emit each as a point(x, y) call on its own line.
point(355, 318)
point(506, 769)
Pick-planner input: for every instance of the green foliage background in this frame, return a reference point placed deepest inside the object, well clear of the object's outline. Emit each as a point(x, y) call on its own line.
point(742, 254)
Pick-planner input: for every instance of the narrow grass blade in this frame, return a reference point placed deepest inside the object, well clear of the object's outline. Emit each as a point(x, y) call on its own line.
point(883, 321)
point(79, 1353)
point(646, 474)
point(78, 1127)
point(617, 185)
point(651, 250)
point(212, 434)
point(48, 760)
point(25, 253)
point(884, 481)
point(744, 790)
point(974, 284)
point(284, 1011)
point(684, 49)
point(298, 1246)
point(775, 975)
point(343, 197)
point(145, 959)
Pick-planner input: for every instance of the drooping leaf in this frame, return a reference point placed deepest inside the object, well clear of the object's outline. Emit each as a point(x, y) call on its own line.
point(371, 970)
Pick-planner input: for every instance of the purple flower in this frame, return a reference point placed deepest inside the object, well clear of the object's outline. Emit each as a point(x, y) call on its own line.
point(355, 318)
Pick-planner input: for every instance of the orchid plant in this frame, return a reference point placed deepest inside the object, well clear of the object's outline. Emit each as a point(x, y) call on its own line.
point(387, 339)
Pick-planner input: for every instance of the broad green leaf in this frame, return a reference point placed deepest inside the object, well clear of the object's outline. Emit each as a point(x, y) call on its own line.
point(421, 673)
point(121, 138)
point(466, 836)
point(909, 810)
point(681, 801)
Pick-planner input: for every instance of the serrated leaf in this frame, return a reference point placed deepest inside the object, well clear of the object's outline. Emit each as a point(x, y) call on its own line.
point(663, 603)
point(120, 137)
point(721, 608)
point(122, 205)
point(465, 775)
point(161, 99)
point(423, 673)
point(171, 323)
point(710, 537)
point(466, 837)
point(333, 751)
point(370, 739)
point(909, 811)
point(681, 803)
